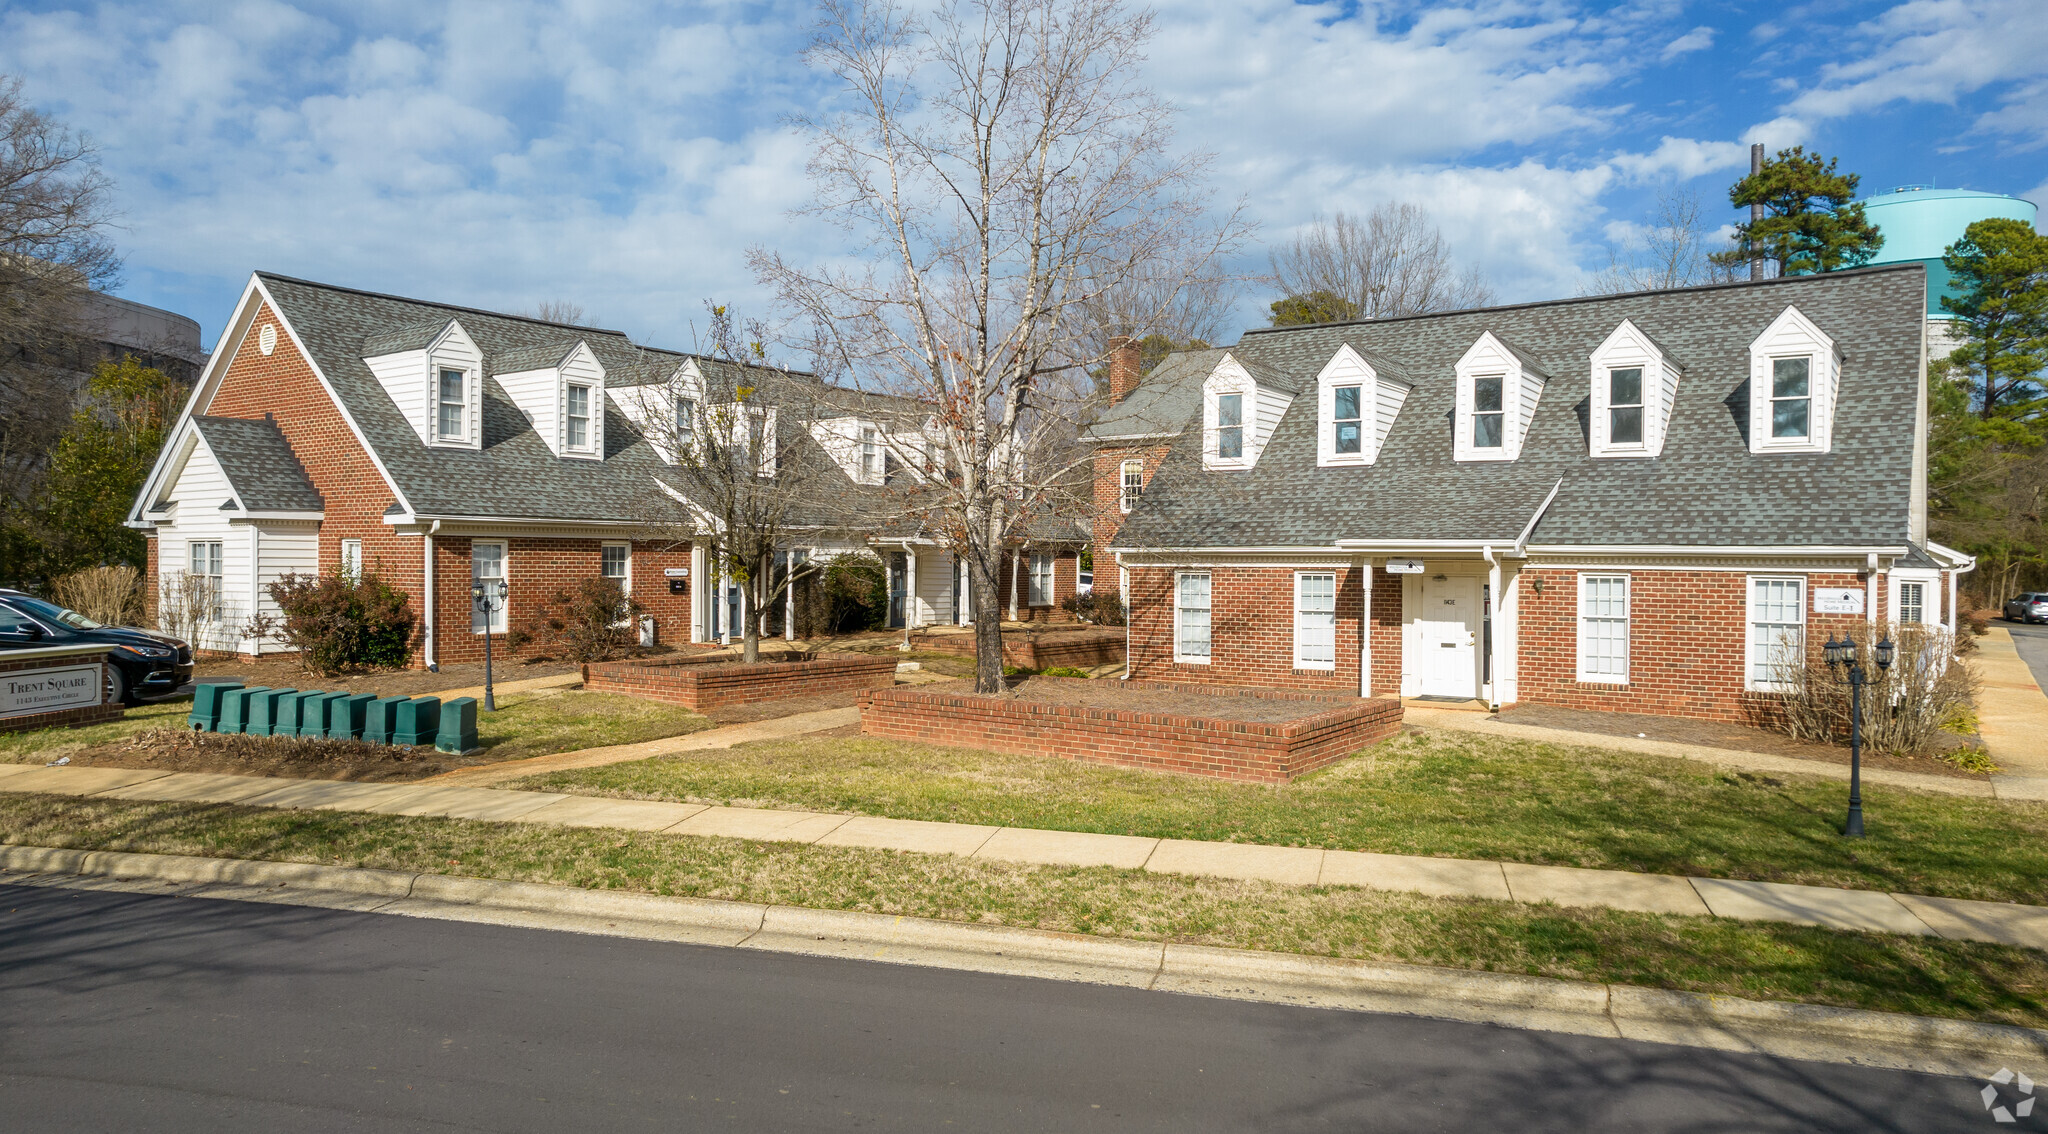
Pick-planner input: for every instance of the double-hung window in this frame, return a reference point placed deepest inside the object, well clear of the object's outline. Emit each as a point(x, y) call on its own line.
point(451, 409)
point(686, 425)
point(1488, 414)
point(1603, 628)
point(1791, 396)
point(1131, 476)
point(1315, 620)
point(1625, 406)
point(1041, 579)
point(578, 409)
point(612, 565)
point(870, 458)
point(487, 566)
point(1230, 427)
point(1347, 432)
point(1777, 631)
point(204, 566)
point(352, 558)
point(1191, 617)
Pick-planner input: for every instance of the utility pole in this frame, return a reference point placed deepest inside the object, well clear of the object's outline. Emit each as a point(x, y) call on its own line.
point(1756, 212)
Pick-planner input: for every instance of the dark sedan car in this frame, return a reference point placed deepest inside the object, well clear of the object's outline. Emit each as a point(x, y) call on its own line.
point(2029, 607)
point(146, 664)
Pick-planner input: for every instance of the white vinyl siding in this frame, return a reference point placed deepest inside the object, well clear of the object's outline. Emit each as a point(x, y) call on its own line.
point(1315, 620)
point(1603, 628)
point(1777, 629)
point(1191, 617)
point(487, 565)
point(1041, 579)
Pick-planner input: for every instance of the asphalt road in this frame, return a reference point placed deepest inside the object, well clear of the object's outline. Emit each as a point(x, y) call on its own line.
point(141, 1012)
point(2032, 643)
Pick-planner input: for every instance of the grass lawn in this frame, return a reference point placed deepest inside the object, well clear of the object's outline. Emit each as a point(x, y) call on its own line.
point(535, 724)
point(1781, 962)
point(1428, 793)
point(44, 745)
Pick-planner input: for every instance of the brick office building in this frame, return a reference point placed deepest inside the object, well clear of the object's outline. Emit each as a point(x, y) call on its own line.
point(1631, 503)
point(336, 428)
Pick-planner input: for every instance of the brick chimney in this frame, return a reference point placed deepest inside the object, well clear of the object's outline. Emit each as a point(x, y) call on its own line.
point(1125, 366)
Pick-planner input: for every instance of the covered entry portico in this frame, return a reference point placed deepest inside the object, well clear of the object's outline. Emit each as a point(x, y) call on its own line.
point(1456, 623)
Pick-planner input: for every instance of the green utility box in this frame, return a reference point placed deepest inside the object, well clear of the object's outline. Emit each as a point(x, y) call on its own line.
point(346, 714)
point(418, 721)
point(380, 719)
point(458, 727)
point(292, 713)
point(206, 699)
point(263, 708)
point(234, 708)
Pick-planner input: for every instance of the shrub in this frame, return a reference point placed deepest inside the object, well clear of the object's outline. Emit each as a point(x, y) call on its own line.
point(1063, 671)
point(110, 595)
point(594, 621)
point(338, 623)
point(1103, 608)
point(1905, 708)
point(853, 594)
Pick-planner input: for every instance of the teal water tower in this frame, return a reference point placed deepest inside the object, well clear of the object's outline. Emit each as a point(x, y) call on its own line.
point(1919, 224)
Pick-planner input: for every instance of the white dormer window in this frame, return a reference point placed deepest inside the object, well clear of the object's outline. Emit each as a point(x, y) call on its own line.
point(1357, 400)
point(686, 423)
point(1633, 389)
point(576, 412)
point(556, 387)
point(1794, 374)
point(451, 412)
point(1496, 398)
point(870, 457)
point(1230, 427)
point(1240, 406)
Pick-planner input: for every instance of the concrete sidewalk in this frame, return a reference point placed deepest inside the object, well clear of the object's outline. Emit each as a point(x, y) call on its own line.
point(1443, 877)
point(2012, 716)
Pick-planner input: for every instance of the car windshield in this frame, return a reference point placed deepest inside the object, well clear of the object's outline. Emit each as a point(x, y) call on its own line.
point(55, 613)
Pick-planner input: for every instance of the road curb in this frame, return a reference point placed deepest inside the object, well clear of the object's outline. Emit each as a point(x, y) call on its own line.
point(1798, 1031)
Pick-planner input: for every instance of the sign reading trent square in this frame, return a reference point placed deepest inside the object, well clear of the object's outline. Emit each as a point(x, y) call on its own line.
point(50, 690)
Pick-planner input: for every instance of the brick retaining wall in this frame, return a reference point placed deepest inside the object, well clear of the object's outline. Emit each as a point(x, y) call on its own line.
point(704, 685)
point(1081, 649)
point(1260, 752)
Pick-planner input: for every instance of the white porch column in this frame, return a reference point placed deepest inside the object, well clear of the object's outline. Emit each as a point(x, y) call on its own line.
point(1016, 569)
point(789, 596)
point(1364, 630)
point(910, 618)
point(700, 591)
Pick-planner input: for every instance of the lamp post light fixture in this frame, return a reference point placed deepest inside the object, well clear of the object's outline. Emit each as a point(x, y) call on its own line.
point(1842, 659)
point(489, 598)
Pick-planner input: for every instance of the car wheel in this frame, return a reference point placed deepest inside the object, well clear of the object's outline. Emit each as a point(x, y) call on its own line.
point(117, 685)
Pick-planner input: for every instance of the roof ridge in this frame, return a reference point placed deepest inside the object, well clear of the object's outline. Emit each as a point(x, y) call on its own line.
point(446, 306)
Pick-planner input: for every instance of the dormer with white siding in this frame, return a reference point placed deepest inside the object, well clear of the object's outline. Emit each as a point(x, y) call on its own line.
point(561, 390)
point(433, 372)
point(1497, 391)
point(1241, 404)
point(1794, 373)
point(1634, 387)
point(1357, 399)
point(668, 410)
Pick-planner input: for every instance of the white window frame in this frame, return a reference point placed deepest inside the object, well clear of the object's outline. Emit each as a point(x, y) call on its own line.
point(1042, 567)
point(1380, 398)
point(1930, 596)
point(1750, 622)
point(685, 424)
point(1308, 623)
point(625, 575)
point(1590, 621)
point(1235, 401)
point(204, 560)
point(352, 558)
point(500, 617)
point(1792, 335)
point(1130, 484)
point(442, 403)
point(870, 455)
point(1520, 389)
point(1181, 610)
point(1628, 348)
point(569, 417)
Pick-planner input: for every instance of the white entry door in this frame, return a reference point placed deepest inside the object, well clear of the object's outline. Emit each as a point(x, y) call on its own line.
point(1447, 636)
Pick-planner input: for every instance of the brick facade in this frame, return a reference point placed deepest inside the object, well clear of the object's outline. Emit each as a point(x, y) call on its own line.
point(701, 684)
point(1081, 649)
point(1066, 579)
point(536, 569)
point(1203, 746)
point(1251, 629)
point(1108, 517)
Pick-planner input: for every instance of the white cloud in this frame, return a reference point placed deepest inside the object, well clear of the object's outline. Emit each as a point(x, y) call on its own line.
point(1698, 39)
point(1680, 159)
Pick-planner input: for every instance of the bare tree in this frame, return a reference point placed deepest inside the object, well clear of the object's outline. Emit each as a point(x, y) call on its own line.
point(1675, 252)
point(560, 311)
point(1012, 170)
point(54, 248)
point(1392, 261)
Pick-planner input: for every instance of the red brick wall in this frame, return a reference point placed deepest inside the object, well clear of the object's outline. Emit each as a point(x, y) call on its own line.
point(1687, 641)
point(1222, 749)
point(1251, 630)
point(1108, 518)
point(707, 686)
point(536, 569)
point(1066, 577)
point(1082, 649)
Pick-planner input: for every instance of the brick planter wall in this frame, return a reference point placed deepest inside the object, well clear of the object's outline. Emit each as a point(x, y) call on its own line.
point(1205, 746)
point(700, 685)
point(1081, 649)
point(60, 718)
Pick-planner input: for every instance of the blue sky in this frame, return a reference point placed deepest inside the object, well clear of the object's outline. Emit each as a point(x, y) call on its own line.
point(623, 155)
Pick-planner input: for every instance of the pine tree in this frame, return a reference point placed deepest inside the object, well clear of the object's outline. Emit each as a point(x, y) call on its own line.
point(1810, 223)
point(2000, 266)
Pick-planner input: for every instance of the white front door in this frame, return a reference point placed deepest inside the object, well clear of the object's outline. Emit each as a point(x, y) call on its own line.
point(1447, 636)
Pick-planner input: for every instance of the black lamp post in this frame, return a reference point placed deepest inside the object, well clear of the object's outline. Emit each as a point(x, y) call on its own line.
point(489, 598)
point(1842, 656)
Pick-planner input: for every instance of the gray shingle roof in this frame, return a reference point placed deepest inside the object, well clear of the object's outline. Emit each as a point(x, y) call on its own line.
point(260, 466)
point(1705, 490)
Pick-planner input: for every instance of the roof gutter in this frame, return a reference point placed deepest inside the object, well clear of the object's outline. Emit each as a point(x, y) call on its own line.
point(1522, 541)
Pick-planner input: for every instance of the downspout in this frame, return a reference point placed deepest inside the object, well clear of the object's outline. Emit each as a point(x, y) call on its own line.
point(432, 650)
point(1127, 623)
point(1493, 639)
point(1870, 598)
point(1955, 613)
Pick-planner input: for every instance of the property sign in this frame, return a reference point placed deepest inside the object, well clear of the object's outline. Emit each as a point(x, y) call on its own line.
point(1404, 566)
point(1838, 600)
point(675, 572)
point(48, 690)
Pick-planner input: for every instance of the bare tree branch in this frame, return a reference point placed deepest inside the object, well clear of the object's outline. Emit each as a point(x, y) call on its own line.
point(1393, 261)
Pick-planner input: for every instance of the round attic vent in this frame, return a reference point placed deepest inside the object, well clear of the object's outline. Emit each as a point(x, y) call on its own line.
point(266, 339)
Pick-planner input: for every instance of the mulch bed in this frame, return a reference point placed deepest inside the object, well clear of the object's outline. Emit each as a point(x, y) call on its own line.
point(176, 750)
point(1166, 702)
point(1719, 734)
point(282, 671)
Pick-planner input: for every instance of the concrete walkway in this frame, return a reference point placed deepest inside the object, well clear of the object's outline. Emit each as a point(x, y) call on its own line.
point(523, 685)
point(1445, 877)
point(722, 737)
point(2012, 716)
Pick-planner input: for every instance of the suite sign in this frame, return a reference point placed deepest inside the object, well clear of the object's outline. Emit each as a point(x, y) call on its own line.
point(51, 690)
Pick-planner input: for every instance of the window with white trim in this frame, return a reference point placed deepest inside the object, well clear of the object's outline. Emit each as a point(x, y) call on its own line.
point(1315, 620)
point(1912, 603)
point(1603, 628)
point(1230, 427)
point(614, 564)
point(1777, 631)
point(204, 565)
point(1625, 405)
point(1131, 484)
point(576, 411)
point(451, 405)
point(1191, 616)
point(487, 566)
point(1488, 416)
point(1347, 420)
point(1792, 397)
point(870, 458)
point(1041, 579)
point(686, 424)
point(352, 558)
